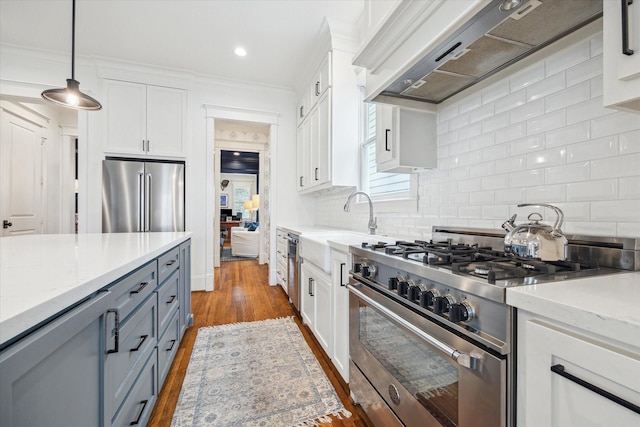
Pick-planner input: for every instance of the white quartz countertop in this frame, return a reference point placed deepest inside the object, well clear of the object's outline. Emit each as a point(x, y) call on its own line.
point(605, 305)
point(40, 275)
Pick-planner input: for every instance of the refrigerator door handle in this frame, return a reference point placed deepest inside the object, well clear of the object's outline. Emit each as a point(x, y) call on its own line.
point(147, 208)
point(140, 202)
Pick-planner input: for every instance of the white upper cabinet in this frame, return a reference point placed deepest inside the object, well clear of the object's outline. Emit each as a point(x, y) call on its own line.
point(621, 55)
point(405, 139)
point(144, 120)
point(328, 133)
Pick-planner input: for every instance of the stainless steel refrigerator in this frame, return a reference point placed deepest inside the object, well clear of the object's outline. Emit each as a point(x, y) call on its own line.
point(142, 196)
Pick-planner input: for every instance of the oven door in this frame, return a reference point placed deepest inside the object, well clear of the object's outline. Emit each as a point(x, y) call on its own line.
point(426, 375)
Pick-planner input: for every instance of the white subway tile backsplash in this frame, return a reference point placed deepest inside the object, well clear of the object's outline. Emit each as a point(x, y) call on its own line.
point(527, 111)
point(547, 122)
point(605, 189)
point(567, 58)
point(546, 158)
point(591, 228)
point(567, 97)
point(618, 122)
point(615, 167)
point(578, 211)
point(596, 44)
point(500, 212)
point(481, 141)
point(470, 159)
point(458, 147)
point(527, 178)
point(575, 172)
point(587, 110)
point(470, 103)
point(584, 71)
point(481, 198)
point(527, 77)
point(482, 169)
point(469, 185)
point(495, 91)
point(546, 87)
point(546, 193)
point(448, 138)
point(616, 210)
point(594, 149)
point(459, 121)
point(568, 135)
point(596, 86)
point(510, 196)
point(481, 113)
point(442, 127)
point(510, 133)
point(630, 142)
point(527, 145)
point(628, 229)
point(495, 182)
point(470, 131)
point(495, 122)
point(511, 164)
point(629, 187)
point(470, 212)
point(459, 173)
point(511, 101)
point(447, 113)
point(496, 152)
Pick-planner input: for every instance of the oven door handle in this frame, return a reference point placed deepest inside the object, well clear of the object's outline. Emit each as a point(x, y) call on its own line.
point(463, 359)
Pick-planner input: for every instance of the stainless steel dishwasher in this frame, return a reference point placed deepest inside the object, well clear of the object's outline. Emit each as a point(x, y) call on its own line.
point(293, 270)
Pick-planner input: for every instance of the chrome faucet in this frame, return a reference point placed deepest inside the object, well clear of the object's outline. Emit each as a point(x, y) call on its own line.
point(373, 222)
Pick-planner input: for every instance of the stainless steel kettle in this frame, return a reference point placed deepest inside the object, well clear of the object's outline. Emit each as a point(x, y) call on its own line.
point(534, 240)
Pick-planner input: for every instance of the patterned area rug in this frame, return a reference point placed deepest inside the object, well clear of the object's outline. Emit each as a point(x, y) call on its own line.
point(226, 255)
point(255, 374)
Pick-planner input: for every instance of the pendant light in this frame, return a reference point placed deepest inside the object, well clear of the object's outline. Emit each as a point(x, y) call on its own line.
point(71, 96)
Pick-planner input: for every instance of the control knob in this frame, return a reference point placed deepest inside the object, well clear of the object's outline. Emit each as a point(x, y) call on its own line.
point(461, 312)
point(442, 304)
point(368, 270)
point(414, 291)
point(392, 284)
point(403, 286)
point(428, 298)
point(357, 267)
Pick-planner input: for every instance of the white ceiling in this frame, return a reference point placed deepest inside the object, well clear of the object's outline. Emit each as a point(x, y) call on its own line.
point(197, 36)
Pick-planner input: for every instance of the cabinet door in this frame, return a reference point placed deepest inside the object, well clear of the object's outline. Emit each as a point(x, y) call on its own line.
point(307, 307)
point(166, 112)
point(53, 377)
point(385, 137)
point(321, 80)
point(319, 141)
point(555, 401)
point(340, 276)
point(185, 286)
point(621, 72)
point(125, 116)
point(323, 308)
point(302, 157)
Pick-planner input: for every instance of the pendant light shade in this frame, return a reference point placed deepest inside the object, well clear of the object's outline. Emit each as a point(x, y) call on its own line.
point(71, 96)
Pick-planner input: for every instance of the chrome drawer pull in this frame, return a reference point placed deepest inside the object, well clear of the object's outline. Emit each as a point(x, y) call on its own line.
point(143, 338)
point(559, 369)
point(140, 288)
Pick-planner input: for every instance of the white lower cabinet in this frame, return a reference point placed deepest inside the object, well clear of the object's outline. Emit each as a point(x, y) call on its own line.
point(316, 304)
point(340, 276)
point(564, 373)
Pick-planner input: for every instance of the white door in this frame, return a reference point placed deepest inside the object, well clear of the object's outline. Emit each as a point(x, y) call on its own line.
point(21, 175)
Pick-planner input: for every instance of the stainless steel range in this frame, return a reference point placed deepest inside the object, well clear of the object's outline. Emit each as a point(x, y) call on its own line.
point(432, 339)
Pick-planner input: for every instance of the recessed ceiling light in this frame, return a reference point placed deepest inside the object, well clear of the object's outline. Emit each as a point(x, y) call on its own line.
point(240, 51)
point(235, 153)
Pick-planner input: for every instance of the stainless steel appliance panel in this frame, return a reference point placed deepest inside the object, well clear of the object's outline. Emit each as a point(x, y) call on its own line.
point(293, 270)
point(164, 186)
point(122, 196)
point(140, 196)
point(425, 374)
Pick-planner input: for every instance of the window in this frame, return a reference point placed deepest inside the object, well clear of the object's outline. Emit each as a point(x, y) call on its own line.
point(242, 192)
point(379, 185)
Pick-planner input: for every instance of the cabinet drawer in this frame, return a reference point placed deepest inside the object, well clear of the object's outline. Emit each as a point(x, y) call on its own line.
point(168, 300)
point(168, 263)
point(137, 409)
point(138, 338)
point(132, 290)
point(168, 346)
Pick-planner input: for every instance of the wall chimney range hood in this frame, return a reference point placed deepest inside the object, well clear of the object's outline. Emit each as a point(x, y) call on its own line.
point(502, 33)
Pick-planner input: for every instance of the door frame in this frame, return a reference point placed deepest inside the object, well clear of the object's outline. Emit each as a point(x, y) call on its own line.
point(212, 251)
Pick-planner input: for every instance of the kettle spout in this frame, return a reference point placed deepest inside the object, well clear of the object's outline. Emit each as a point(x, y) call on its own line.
point(509, 224)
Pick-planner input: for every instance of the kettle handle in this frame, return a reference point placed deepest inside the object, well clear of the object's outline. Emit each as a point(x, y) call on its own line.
point(556, 231)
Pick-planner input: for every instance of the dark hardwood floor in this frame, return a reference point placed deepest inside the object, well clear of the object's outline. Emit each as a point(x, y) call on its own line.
point(242, 294)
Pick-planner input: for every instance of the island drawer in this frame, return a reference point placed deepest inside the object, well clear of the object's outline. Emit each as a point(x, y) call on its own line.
point(168, 300)
point(130, 291)
point(138, 337)
point(168, 263)
point(136, 410)
point(168, 346)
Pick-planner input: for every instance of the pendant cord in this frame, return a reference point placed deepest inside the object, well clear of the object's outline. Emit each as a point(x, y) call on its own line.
point(73, 41)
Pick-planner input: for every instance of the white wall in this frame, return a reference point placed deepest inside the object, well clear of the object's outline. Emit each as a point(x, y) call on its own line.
point(540, 135)
point(27, 73)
